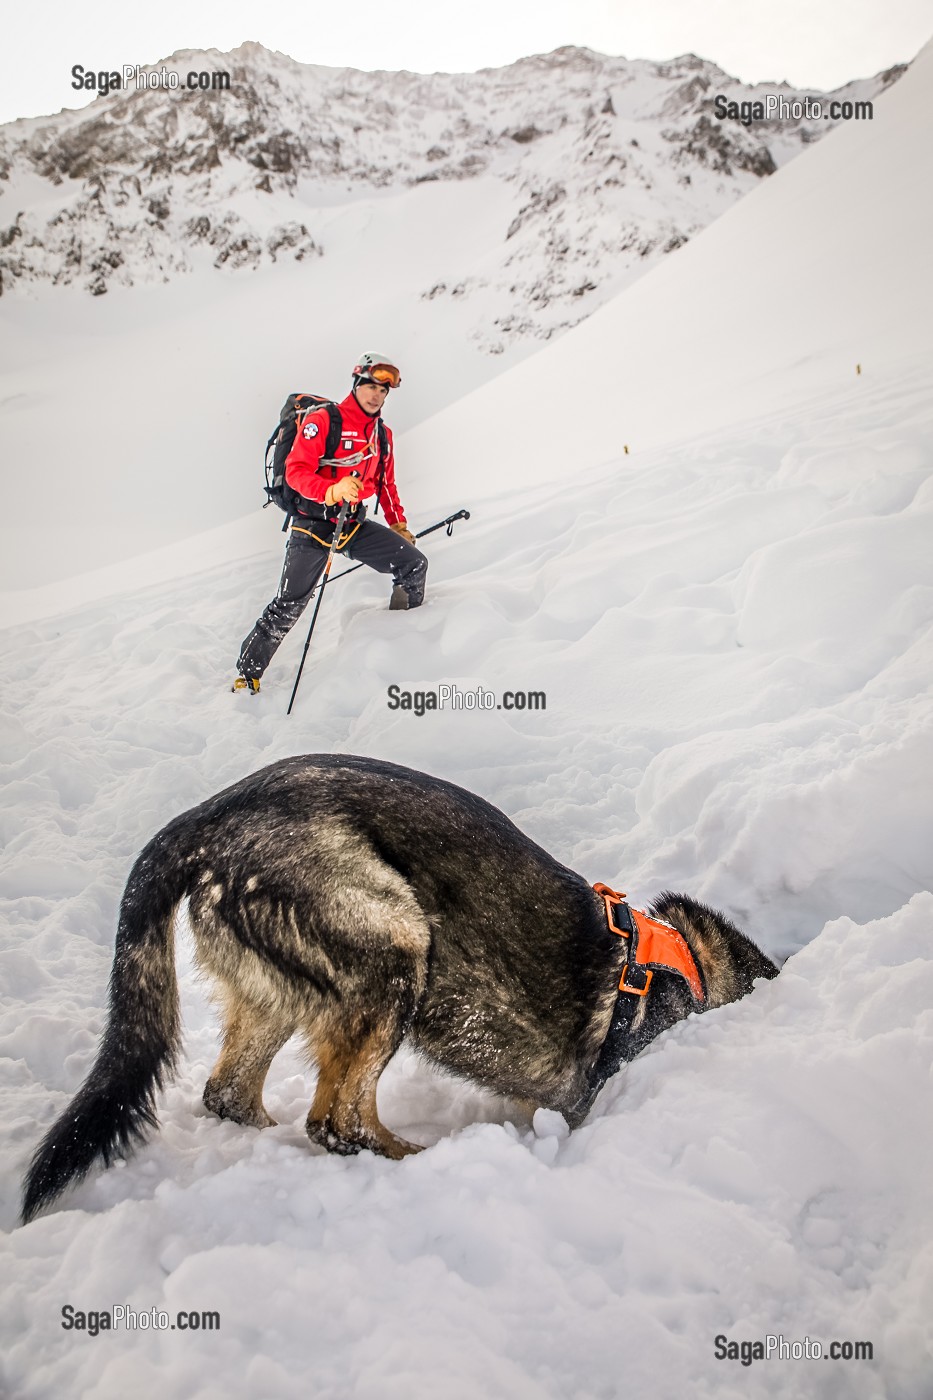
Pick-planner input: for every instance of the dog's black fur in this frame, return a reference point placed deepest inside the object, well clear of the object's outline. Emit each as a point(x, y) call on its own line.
point(357, 903)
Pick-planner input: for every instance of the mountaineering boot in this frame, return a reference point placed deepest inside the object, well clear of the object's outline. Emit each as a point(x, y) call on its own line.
point(399, 600)
point(248, 683)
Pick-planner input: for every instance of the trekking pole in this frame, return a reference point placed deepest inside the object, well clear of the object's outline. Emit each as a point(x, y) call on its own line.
point(338, 531)
point(449, 522)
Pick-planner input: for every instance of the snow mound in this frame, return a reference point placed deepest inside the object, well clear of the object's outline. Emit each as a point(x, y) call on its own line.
point(750, 1176)
point(755, 1173)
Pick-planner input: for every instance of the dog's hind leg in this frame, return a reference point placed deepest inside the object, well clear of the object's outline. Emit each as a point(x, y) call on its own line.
point(378, 942)
point(354, 1039)
point(252, 1039)
point(343, 1116)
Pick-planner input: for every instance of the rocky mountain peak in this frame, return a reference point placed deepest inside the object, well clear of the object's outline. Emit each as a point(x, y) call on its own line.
point(606, 163)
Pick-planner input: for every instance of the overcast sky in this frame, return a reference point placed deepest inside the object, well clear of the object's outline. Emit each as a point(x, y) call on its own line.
point(811, 43)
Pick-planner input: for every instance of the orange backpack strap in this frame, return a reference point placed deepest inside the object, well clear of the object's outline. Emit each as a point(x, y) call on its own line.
point(653, 946)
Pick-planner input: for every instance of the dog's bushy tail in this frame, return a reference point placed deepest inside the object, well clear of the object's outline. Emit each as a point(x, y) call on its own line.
point(114, 1108)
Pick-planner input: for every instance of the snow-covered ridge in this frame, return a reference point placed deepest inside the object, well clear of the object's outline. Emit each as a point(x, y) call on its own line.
point(609, 163)
point(820, 273)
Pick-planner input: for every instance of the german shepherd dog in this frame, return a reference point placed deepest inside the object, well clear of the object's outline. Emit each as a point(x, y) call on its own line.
point(357, 902)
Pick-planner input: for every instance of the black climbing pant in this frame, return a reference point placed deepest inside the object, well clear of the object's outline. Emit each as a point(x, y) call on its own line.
point(376, 545)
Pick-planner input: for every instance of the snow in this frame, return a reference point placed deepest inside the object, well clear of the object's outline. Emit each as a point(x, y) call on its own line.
point(457, 263)
point(733, 628)
point(110, 406)
point(795, 286)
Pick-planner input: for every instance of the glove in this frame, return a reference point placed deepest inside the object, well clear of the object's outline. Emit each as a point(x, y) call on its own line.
point(347, 489)
point(401, 528)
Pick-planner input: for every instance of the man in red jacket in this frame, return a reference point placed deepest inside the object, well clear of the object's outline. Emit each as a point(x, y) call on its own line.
point(358, 470)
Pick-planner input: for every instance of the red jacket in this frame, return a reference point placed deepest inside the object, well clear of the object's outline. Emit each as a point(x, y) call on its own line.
point(303, 470)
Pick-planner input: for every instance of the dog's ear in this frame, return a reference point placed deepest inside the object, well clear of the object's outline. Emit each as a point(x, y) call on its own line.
point(728, 960)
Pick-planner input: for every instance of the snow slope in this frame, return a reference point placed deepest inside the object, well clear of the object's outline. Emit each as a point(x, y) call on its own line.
point(136, 420)
point(734, 632)
point(737, 673)
point(700, 339)
point(255, 242)
point(823, 267)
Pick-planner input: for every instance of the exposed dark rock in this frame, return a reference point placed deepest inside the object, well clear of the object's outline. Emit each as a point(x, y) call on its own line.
point(139, 180)
point(9, 235)
point(244, 251)
point(291, 238)
point(719, 147)
point(541, 201)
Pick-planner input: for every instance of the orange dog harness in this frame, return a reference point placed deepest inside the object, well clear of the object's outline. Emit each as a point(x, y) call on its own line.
point(653, 946)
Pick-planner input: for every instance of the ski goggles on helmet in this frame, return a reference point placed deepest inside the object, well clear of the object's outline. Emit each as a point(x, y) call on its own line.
point(379, 374)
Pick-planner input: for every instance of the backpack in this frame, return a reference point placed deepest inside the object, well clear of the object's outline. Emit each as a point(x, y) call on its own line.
point(295, 410)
